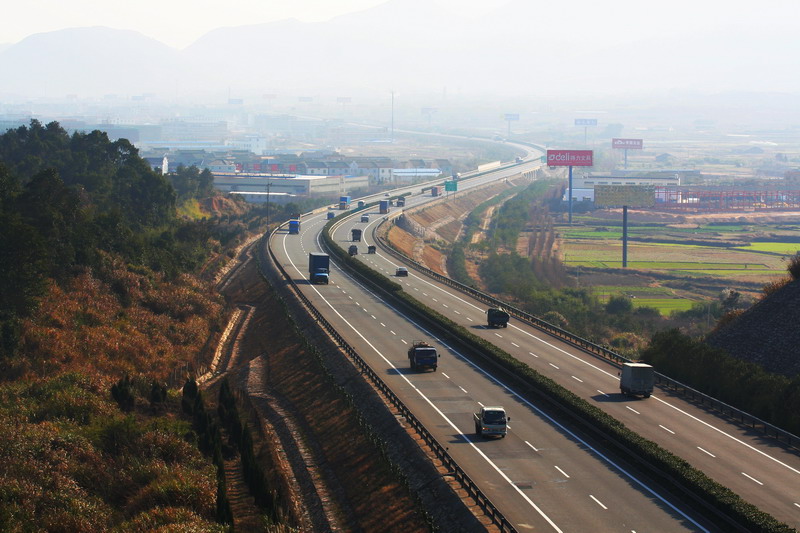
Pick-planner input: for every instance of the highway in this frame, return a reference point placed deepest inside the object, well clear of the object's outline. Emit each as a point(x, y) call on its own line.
point(542, 476)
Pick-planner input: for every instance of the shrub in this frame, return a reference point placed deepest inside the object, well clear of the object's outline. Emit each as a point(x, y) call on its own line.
point(619, 305)
point(794, 266)
point(122, 392)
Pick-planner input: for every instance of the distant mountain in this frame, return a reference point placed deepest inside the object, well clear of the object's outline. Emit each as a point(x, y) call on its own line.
point(522, 48)
point(88, 61)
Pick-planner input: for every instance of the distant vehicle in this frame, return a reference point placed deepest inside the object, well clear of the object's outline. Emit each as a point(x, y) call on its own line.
point(518, 160)
point(331, 215)
point(637, 379)
point(353, 250)
point(401, 271)
point(496, 318)
point(491, 421)
point(355, 235)
point(361, 203)
point(436, 191)
point(383, 206)
point(401, 202)
point(364, 218)
point(387, 194)
point(371, 249)
point(294, 227)
point(344, 202)
point(422, 355)
point(318, 267)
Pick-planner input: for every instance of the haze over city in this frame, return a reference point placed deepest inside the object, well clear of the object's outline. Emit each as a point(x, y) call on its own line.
point(361, 47)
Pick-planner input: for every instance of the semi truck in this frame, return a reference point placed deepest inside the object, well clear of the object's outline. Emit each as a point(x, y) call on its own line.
point(496, 318)
point(384, 206)
point(637, 379)
point(319, 265)
point(401, 202)
point(355, 235)
point(294, 227)
point(422, 355)
point(491, 421)
point(344, 202)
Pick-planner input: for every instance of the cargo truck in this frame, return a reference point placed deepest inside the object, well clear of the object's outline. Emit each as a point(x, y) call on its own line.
point(384, 206)
point(491, 421)
point(422, 355)
point(436, 191)
point(294, 227)
point(496, 318)
point(344, 202)
point(401, 202)
point(637, 379)
point(319, 265)
point(355, 235)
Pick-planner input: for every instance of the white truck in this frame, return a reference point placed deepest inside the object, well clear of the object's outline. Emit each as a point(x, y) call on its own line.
point(491, 421)
point(637, 379)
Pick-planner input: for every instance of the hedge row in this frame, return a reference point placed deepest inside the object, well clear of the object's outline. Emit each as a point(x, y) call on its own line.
point(209, 440)
point(660, 462)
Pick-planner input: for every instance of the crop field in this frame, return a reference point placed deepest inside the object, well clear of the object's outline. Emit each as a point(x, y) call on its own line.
point(661, 298)
point(743, 254)
point(781, 248)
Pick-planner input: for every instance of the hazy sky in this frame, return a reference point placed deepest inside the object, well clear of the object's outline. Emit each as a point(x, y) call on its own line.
point(179, 22)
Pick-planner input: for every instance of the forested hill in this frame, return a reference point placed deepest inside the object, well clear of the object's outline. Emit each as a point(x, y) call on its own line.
point(766, 334)
point(68, 200)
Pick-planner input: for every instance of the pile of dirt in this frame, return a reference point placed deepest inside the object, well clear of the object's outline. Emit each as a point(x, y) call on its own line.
point(223, 205)
point(767, 333)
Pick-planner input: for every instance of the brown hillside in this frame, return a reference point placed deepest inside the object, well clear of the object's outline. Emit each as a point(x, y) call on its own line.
point(767, 333)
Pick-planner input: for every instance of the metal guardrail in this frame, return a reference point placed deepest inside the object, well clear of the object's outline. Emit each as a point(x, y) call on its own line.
point(733, 413)
point(441, 453)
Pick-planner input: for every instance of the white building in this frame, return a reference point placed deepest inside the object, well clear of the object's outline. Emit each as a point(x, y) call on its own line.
point(288, 184)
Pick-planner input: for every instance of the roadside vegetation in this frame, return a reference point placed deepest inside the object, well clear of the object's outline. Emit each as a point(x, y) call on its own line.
point(102, 316)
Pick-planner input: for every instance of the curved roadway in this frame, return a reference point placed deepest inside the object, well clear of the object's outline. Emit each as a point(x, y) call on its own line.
point(542, 476)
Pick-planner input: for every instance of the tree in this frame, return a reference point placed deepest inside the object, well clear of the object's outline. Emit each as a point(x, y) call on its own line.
point(619, 305)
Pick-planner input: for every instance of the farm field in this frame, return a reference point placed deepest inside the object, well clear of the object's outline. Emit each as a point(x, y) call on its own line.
point(740, 253)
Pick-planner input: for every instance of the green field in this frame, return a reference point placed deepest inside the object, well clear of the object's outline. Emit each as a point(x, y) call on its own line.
point(661, 298)
point(783, 248)
point(665, 306)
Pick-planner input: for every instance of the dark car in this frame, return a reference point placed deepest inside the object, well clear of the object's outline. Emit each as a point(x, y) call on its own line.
point(401, 271)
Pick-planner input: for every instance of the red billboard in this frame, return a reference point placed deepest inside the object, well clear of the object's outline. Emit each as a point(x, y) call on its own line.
point(569, 158)
point(627, 144)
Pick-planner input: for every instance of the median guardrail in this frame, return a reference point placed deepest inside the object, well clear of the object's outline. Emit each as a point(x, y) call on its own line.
point(440, 451)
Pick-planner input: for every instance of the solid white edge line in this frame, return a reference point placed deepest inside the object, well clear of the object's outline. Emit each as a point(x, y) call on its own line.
point(503, 385)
